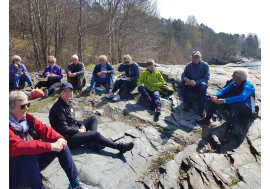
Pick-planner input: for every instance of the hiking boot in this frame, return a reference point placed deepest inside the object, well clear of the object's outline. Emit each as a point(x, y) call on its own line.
point(46, 92)
point(158, 112)
point(125, 147)
point(116, 98)
point(202, 121)
point(201, 111)
point(81, 186)
point(110, 95)
point(187, 106)
point(79, 92)
point(92, 92)
point(27, 93)
point(228, 136)
point(95, 145)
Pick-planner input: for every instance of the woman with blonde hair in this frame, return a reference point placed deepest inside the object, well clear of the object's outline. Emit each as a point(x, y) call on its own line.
point(18, 73)
point(132, 72)
point(54, 74)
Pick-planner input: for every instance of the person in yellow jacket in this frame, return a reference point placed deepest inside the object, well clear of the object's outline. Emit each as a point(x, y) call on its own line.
point(152, 80)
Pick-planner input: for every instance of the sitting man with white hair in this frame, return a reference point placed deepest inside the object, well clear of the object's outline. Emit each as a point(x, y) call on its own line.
point(102, 74)
point(238, 97)
point(75, 73)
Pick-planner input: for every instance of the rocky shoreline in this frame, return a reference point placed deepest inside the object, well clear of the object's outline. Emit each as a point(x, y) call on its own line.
point(167, 149)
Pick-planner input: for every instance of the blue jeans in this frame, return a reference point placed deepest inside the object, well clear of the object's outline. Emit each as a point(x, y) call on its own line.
point(20, 80)
point(153, 94)
point(200, 89)
point(27, 167)
point(108, 79)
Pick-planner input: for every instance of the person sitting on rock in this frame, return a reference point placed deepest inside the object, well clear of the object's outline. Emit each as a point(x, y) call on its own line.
point(102, 74)
point(54, 74)
point(18, 74)
point(238, 97)
point(75, 73)
point(132, 74)
point(152, 80)
point(27, 154)
point(62, 119)
point(195, 78)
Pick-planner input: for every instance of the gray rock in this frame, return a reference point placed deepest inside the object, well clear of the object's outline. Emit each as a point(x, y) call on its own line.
point(251, 174)
point(185, 153)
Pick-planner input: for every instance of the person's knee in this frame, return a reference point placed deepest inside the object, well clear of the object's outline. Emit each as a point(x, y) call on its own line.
point(140, 88)
point(97, 134)
point(16, 75)
point(203, 85)
point(28, 159)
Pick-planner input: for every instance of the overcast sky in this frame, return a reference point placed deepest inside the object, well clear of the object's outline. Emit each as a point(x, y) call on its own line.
point(230, 16)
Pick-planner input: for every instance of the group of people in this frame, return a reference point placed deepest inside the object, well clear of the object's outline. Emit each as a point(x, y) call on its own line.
point(29, 155)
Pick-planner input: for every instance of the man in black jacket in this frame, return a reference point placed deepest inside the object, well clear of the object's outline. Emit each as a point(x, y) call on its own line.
point(102, 74)
point(75, 73)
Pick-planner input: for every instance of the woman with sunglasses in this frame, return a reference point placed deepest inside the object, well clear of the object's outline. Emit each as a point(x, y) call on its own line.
point(27, 154)
point(54, 74)
point(132, 72)
point(18, 73)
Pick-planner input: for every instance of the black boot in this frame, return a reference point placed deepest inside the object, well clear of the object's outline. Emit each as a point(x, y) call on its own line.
point(187, 106)
point(125, 147)
point(201, 111)
point(228, 136)
point(158, 112)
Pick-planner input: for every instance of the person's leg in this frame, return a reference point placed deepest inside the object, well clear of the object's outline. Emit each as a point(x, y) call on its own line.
point(25, 168)
point(93, 82)
point(184, 91)
point(26, 78)
point(16, 79)
point(79, 139)
point(80, 79)
point(211, 110)
point(117, 85)
point(91, 123)
point(144, 92)
point(42, 84)
point(69, 79)
point(109, 80)
point(122, 87)
point(202, 94)
point(156, 99)
point(131, 84)
point(53, 87)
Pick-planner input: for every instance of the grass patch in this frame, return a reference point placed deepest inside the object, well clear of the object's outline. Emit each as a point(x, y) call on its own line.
point(160, 129)
point(35, 107)
point(234, 182)
point(162, 160)
point(213, 66)
point(90, 65)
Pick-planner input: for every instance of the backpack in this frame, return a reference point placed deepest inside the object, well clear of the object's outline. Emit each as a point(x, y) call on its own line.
point(36, 93)
point(166, 90)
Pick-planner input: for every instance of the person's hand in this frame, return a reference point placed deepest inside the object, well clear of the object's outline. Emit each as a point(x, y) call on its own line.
point(127, 78)
point(70, 74)
point(104, 72)
point(99, 73)
point(213, 98)
point(151, 85)
point(59, 145)
point(219, 101)
point(82, 127)
point(188, 81)
point(21, 73)
point(193, 83)
point(52, 75)
point(81, 130)
point(47, 73)
point(15, 65)
point(74, 74)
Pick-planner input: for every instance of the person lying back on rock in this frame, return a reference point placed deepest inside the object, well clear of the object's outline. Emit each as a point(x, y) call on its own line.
point(54, 74)
point(238, 97)
point(102, 74)
point(18, 74)
point(62, 119)
point(195, 78)
point(152, 80)
point(27, 154)
point(75, 73)
point(132, 72)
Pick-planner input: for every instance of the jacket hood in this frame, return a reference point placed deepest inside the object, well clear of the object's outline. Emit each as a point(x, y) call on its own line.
point(148, 73)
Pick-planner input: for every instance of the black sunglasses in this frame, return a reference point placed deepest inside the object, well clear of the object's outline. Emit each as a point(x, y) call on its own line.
point(23, 106)
point(126, 62)
point(16, 59)
point(51, 62)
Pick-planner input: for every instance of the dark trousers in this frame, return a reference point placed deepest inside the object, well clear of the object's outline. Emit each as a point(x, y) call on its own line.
point(76, 81)
point(91, 135)
point(27, 167)
point(234, 109)
point(122, 84)
point(200, 89)
point(153, 94)
point(49, 84)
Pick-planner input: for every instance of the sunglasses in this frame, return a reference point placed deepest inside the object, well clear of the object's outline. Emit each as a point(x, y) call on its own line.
point(23, 106)
point(126, 62)
point(50, 62)
point(17, 60)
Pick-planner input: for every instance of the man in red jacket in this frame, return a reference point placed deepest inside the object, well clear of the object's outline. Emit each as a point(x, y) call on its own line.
point(27, 154)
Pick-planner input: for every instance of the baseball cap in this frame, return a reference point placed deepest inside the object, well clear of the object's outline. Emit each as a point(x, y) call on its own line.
point(64, 86)
point(196, 53)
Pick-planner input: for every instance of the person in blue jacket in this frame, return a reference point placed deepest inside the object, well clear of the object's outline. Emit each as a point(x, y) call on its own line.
point(195, 78)
point(102, 74)
point(132, 74)
point(238, 97)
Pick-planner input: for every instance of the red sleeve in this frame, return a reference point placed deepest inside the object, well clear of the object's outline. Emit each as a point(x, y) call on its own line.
point(46, 133)
point(18, 147)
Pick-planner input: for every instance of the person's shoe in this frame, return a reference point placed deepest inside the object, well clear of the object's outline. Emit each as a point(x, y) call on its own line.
point(110, 95)
point(92, 92)
point(81, 186)
point(202, 121)
point(187, 106)
point(27, 93)
point(95, 145)
point(228, 136)
point(15, 89)
point(79, 91)
point(116, 98)
point(125, 147)
point(201, 111)
point(158, 112)
point(46, 92)
point(108, 91)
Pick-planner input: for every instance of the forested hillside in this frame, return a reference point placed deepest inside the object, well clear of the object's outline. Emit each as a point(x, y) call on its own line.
point(39, 28)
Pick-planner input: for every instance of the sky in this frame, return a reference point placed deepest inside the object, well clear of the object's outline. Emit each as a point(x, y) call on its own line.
point(230, 16)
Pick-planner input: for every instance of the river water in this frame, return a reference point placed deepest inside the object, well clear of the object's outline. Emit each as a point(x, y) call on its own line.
point(252, 65)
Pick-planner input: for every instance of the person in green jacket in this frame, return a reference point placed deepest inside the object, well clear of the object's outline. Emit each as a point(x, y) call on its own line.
point(152, 80)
